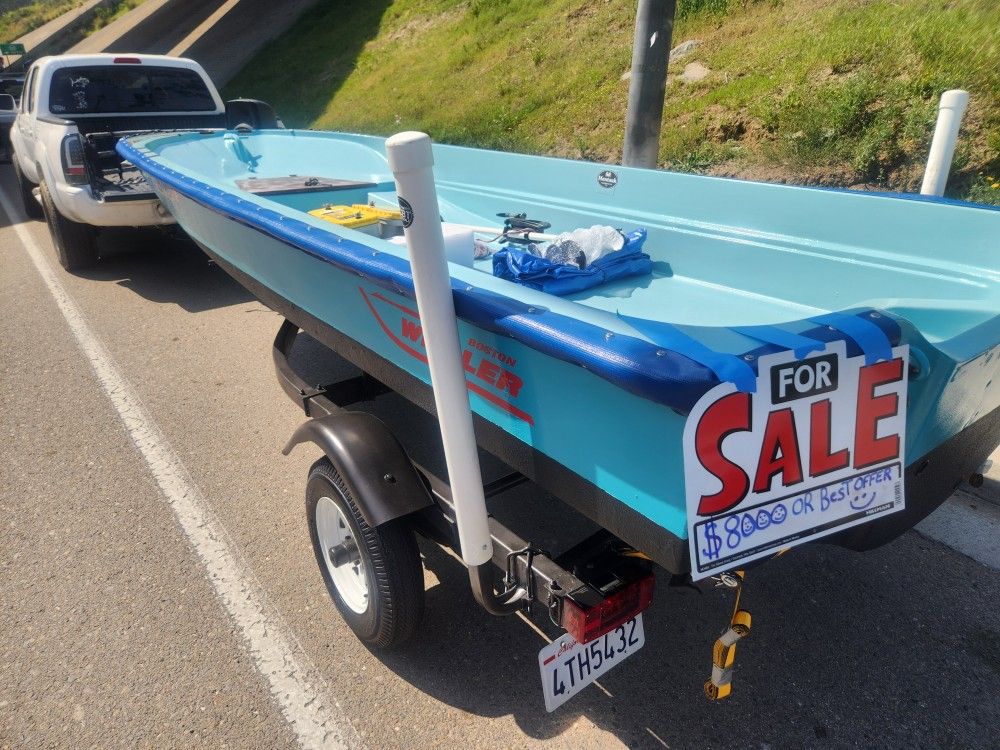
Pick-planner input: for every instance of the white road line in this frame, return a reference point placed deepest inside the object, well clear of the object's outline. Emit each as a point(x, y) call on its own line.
point(967, 524)
point(316, 721)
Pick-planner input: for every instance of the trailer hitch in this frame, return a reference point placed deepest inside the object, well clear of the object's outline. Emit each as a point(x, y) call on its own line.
point(507, 603)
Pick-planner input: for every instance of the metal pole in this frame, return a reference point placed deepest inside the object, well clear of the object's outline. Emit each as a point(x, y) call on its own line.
point(654, 25)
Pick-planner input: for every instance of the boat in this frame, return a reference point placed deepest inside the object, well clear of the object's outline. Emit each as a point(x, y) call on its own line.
point(794, 364)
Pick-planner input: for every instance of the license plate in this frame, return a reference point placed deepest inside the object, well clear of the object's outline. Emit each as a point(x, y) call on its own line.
point(567, 667)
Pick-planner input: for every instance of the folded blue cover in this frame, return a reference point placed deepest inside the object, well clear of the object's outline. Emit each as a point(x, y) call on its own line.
point(561, 279)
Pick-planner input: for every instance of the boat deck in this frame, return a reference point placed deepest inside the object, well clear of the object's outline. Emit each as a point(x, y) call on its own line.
point(682, 290)
point(726, 252)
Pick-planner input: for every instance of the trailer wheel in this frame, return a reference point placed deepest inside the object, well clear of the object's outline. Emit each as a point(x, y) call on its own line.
point(76, 244)
point(31, 207)
point(374, 575)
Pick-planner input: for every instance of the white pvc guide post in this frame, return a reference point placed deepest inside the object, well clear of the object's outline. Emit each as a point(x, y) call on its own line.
point(950, 113)
point(411, 161)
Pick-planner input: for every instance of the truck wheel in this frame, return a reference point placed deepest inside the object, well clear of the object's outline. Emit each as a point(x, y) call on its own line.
point(374, 575)
point(31, 207)
point(76, 244)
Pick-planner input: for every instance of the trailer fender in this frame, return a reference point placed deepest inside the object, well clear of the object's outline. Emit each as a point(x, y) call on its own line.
point(371, 461)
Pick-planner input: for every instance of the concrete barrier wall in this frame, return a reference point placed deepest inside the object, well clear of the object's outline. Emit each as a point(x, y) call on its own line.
point(152, 28)
point(223, 35)
point(52, 38)
point(228, 39)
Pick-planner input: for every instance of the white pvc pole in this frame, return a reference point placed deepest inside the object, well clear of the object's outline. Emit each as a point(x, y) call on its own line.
point(411, 161)
point(950, 113)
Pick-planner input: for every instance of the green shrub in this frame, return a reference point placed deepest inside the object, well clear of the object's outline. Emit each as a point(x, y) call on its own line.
point(985, 189)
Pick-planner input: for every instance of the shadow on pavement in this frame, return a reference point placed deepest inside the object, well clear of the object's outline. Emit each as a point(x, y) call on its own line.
point(889, 649)
point(165, 269)
point(898, 647)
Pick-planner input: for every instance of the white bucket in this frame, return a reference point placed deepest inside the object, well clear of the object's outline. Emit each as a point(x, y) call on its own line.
point(459, 243)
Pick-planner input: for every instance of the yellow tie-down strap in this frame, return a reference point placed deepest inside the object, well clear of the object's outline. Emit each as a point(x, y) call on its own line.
point(720, 684)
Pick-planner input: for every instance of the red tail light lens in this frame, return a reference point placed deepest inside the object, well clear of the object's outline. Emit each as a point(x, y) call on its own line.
point(74, 166)
point(128, 60)
point(587, 623)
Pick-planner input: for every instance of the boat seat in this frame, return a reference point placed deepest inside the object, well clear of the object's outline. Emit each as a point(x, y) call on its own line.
point(298, 184)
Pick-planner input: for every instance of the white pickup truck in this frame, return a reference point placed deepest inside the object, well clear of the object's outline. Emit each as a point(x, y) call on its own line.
point(73, 111)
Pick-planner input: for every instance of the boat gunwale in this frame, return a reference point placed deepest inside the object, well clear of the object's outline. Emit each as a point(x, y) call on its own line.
point(642, 367)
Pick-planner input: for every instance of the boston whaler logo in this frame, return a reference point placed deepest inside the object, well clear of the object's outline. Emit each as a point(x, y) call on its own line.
point(407, 212)
point(489, 372)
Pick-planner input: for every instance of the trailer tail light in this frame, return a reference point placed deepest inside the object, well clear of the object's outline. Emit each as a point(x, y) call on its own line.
point(587, 623)
point(73, 162)
point(127, 61)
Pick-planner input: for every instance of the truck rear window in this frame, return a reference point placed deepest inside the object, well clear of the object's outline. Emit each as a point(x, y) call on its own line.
point(127, 88)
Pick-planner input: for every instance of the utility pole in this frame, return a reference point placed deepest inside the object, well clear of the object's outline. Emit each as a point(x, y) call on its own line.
point(654, 25)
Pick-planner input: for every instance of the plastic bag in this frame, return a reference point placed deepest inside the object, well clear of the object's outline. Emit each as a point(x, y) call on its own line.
point(581, 247)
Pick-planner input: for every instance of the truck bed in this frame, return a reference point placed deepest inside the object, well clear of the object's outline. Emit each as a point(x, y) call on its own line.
point(124, 184)
point(114, 180)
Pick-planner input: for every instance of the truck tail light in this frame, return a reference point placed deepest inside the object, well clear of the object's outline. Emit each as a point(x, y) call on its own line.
point(587, 623)
point(73, 162)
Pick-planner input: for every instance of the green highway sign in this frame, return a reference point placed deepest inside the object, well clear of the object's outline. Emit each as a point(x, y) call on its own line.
point(12, 49)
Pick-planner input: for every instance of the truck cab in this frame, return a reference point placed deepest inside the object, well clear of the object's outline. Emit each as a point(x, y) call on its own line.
point(73, 111)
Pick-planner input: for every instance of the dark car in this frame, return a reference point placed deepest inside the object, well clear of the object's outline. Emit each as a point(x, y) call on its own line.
point(10, 85)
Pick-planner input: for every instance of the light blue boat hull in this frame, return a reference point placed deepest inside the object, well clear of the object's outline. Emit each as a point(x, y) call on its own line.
point(928, 268)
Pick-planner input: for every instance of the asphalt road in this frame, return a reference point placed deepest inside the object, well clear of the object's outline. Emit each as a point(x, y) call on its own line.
point(111, 633)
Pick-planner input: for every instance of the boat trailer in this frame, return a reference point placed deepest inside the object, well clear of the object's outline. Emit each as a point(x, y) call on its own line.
point(367, 498)
point(593, 587)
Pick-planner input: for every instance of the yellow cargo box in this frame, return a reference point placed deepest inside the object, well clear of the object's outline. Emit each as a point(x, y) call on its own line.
point(359, 216)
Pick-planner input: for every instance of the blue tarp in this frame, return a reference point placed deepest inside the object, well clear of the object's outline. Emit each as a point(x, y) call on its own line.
point(561, 279)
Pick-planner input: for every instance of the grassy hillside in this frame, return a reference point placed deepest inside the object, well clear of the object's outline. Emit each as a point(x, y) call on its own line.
point(838, 92)
point(18, 17)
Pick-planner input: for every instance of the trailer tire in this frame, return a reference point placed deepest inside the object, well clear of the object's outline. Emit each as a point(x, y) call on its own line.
point(389, 613)
point(31, 207)
point(75, 243)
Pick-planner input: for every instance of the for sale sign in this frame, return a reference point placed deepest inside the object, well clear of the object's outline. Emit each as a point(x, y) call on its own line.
point(817, 448)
